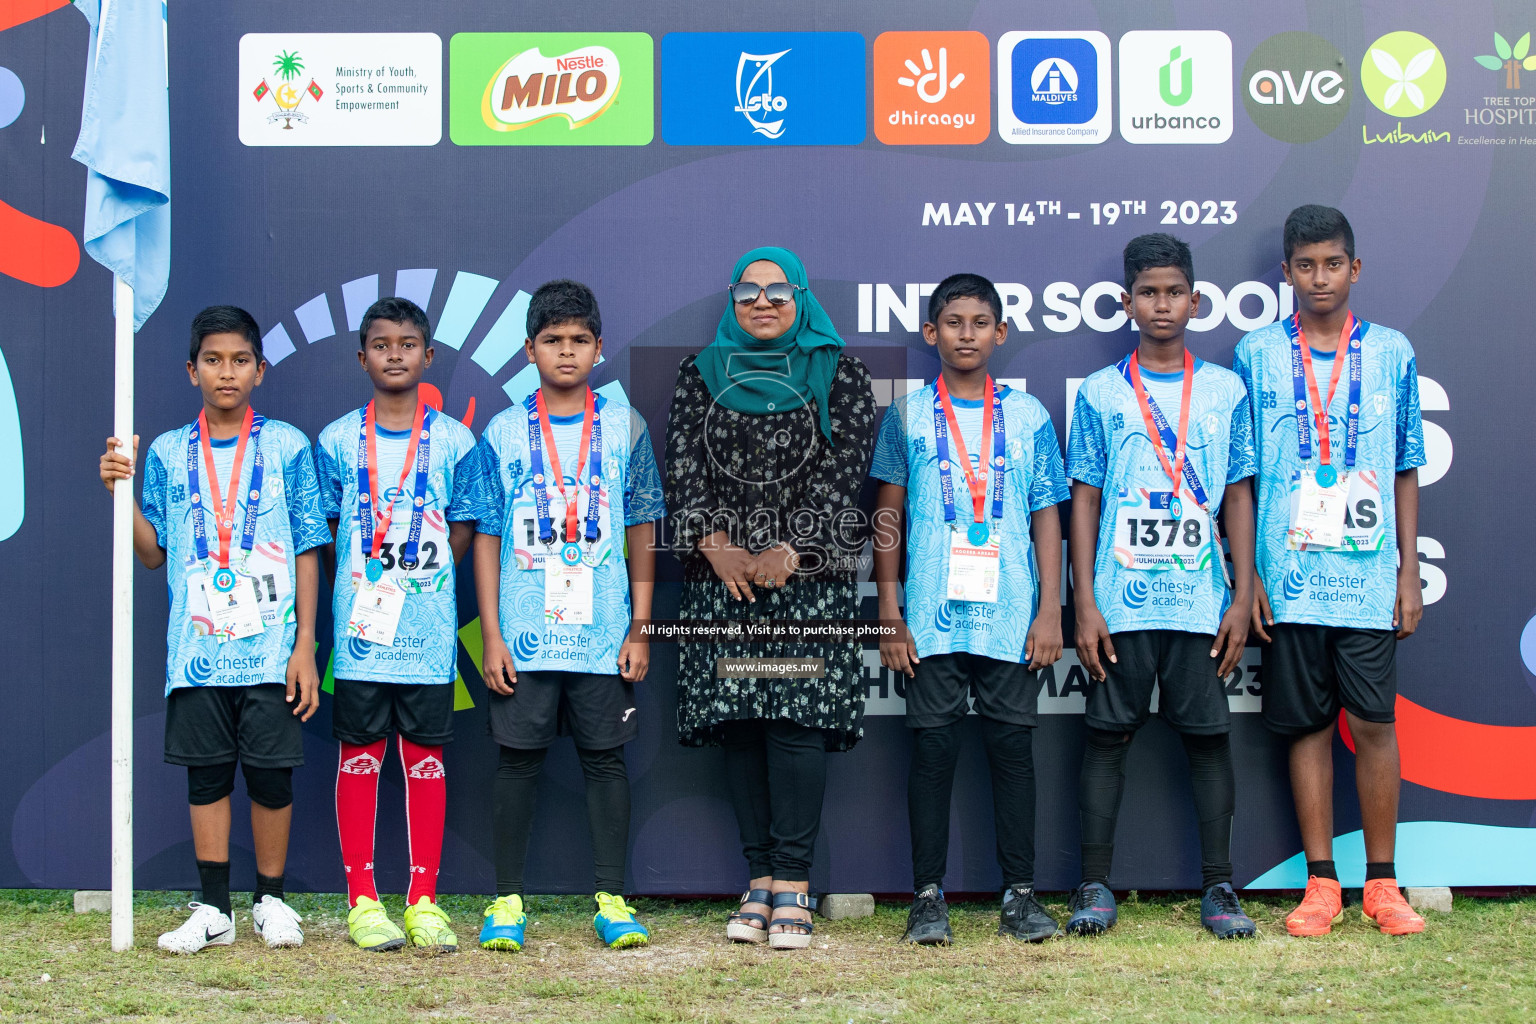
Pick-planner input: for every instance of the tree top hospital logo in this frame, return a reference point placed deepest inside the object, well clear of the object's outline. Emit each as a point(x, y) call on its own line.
point(1403, 74)
point(1296, 87)
point(762, 88)
point(1509, 59)
point(932, 88)
point(551, 89)
point(1053, 87)
point(1176, 87)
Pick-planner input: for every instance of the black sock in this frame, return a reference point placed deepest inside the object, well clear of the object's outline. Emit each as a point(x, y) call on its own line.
point(1322, 869)
point(1210, 775)
point(512, 801)
point(1380, 869)
point(267, 885)
point(213, 876)
point(1099, 790)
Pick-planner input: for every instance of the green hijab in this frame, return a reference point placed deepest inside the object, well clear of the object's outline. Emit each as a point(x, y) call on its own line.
point(756, 377)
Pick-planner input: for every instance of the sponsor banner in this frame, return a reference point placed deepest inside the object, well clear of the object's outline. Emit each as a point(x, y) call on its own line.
point(762, 88)
point(1176, 87)
point(1296, 87)
point(932, 88)
point(551, 89)
point(340, 89)
point(1053, 88)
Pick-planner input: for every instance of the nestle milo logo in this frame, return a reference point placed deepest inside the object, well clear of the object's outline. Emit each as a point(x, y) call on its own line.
point(532, 87)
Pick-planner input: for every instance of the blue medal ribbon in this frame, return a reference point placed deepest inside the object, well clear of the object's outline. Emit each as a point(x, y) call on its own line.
point(593, 467)
point(374, 566)
point(979, 531)
point(1171, 442)
point(1326, 474)
point(253, 497)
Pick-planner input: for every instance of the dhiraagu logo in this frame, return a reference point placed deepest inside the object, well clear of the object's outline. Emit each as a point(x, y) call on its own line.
point(551, 89)
point(1403, 74)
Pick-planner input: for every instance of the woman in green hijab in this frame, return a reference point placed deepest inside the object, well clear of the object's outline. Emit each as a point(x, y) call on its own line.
point(768, 441)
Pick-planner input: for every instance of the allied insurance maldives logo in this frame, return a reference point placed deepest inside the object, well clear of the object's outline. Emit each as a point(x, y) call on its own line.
point(551, 89)
point(1053, 88)
point(1296, 87)
point(932, 88)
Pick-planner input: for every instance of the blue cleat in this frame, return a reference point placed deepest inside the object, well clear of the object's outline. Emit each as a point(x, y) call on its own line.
point(1222, 915)
point(615, 923)
point(504, 925)
point(1093, 909)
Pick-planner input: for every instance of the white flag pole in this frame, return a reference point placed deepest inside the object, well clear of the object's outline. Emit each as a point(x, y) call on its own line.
point(122, 628)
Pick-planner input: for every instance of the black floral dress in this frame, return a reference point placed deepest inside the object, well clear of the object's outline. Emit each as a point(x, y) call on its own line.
point(765, 480)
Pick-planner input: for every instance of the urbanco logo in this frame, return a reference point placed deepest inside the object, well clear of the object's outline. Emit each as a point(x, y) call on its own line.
point(932, 88)
point(551, 88)
point(1296, 87)
point(1403, 74)
point(1053, 87)
point(1176, 87)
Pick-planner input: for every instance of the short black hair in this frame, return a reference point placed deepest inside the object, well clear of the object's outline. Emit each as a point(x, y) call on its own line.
point(964, 286)
point(1308, 225)
point(1159, 249)
point(224, 320)
point(562, 302)
point(397, 311)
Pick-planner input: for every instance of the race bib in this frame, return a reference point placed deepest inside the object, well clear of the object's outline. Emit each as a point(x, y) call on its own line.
point(1317, 512)
point(433, 556)
point(528, 553)
point(973, 567)
point(376, 611)
point(1150, 538)
point(1364, 527)
point(568, 588)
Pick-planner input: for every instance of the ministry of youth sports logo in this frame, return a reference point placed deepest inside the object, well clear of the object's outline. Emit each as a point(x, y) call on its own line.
point(755, 98)
point(287, 68)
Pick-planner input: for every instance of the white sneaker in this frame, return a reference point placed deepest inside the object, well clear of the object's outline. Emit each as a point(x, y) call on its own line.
point(277, 923)
point(208, 926)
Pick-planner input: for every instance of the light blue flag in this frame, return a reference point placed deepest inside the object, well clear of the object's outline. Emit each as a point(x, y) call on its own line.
point(125, 140)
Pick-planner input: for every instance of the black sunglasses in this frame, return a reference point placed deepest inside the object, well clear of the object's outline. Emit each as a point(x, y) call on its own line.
point(746, 292)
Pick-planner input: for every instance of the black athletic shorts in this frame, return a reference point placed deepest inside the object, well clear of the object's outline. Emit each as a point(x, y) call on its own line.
point(942, 686)
point(365, 712)
point(1191, 697)
point(597, 711)
point(255, 725)
point(1311, 671)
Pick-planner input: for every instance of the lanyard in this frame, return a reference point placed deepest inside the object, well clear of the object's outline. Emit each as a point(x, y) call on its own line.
point(994, 442)
point(224, 510)
point(591, 455)
point(371, 534)
point(1162, 435)
point(1304, 383)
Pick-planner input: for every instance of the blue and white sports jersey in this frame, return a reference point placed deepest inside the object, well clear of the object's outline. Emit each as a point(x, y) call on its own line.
point(904, 455)
point(289, 523)
point(504, 506)
point(1333, 587)
point(1109, 449)
point(426, 643)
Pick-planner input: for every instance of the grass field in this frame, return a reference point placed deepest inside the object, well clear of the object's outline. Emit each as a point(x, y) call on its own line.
point(1477, 964)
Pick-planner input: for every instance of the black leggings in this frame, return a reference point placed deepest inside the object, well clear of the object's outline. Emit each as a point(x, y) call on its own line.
point(930, 783)
point(517, 784)
point(777, 775)
point(1103, 782)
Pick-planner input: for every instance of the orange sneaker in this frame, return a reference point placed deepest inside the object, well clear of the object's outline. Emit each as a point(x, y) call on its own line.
point(1321, 908)
point(1385, 907)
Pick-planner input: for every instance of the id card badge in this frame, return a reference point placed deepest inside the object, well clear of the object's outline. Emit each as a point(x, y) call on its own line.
point(1154, 531)
point(1365, 521)
point(233, 610)
point(376, 611)
point(973, 567)
point(1317, 513)
point(568, 588)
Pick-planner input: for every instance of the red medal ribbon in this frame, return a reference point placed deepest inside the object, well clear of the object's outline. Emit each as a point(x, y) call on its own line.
point(1174, 468)
point(1320, 417)
point(382, 516)
point(554, 456)
point(224, 512)
point(975, 480)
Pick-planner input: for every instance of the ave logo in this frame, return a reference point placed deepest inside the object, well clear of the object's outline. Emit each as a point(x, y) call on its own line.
point(1296, 87)
point(932, 88)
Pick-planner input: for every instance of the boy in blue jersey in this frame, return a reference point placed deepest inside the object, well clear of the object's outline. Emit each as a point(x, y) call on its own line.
point(394, 483)
point(982, 614)
point(230, 505)
point(565, 554)
point(1338, 561)
point(1160, 444)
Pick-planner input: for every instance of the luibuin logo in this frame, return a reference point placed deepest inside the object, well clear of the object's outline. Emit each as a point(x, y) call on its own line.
point(1509, 59)
point(287, 66)
point(1180, 70)
point(754, 105)
point(1403, 74)
point(578, 86)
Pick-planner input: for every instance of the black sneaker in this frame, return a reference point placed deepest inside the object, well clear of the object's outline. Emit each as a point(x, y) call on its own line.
point(928, 920)
point(1025, 919)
